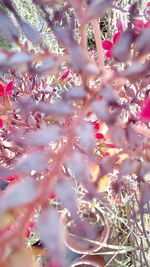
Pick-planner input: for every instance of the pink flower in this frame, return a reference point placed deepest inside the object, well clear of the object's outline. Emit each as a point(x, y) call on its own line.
point(96, 126)
point(28, 231)
point(11, 178)
point(52, 196)
point(108, 45)
point(106, 154)
point(65, 75)
point(140, 25)
point(1, 123)
point(110, 145)
point(148, 4)
point(117, 199)
point(6, 91)
point(99, 136)
point(145, 111)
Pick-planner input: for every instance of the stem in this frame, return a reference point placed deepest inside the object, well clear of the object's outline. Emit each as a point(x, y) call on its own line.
point(7, 103)
point(98, 40)
point(83, 41)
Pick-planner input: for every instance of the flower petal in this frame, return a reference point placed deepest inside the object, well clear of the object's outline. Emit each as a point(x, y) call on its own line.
point(107, 45)
point(8, 93)
point(119, 25)
point(99, 136)
point(31, 224)
point(65, 75)
point(138, 24)
point(147, 24)
point(52, 196)
point(1, 123)
point(9, 87)
point(145, 112)
point(148, 4)
point(27, 234)
point(109, 54)
point(11, 178)
point(116, 37)
point(96, 126)
point(2, 90)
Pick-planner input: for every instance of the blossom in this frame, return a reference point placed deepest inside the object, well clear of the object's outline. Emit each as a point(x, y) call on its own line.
point(145, 110)
point(108, 45)
point(65, 77)
point(6, 91)
point(99, 136)
point(97, 127)
point(117, 199)
point(1, 123)
point(31, 225)
point(11, 178)
point(52, 196)
point(140, 25)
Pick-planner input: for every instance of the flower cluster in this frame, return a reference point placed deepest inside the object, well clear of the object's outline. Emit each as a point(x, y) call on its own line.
point(6, 91)
point(108, 45)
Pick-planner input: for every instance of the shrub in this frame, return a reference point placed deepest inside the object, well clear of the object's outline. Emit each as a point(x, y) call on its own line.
point(74, 128)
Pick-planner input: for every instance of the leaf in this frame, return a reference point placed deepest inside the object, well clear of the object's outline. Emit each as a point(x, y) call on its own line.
point(101, 110)
point(64, 35)
point(145, 169)
point(51, 232)
point(142, 42)
point(97, 8)
point(77, 92)
point(86, 135)
point(78, 166)
point(129, 166)
point(20, 58)
point(108, 94)
point(107, 164)
point(59, 108)
point(68, 198)
point(31, 121)
point(90, 69)
point(44, 136)
point(63, 110)
point(121, 50)
point(36, 161)
point(19, 194)
point(31, 33)
point(135, 71)
point(47, 65)
point(118, 136)
point(103, 183)
point(145, 194)
point(7, 29)
point(134, 139)
point(3, 59)
point(77, 60)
